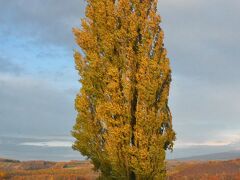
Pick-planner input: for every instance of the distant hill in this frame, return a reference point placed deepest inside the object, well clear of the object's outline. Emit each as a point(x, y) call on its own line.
point(9, 160)
point(216, 156)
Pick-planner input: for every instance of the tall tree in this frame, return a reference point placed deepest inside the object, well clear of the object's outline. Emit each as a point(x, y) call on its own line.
point(124, 124)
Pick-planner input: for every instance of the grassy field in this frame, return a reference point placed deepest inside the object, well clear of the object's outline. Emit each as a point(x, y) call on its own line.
point(34, 170)
point(83, 170)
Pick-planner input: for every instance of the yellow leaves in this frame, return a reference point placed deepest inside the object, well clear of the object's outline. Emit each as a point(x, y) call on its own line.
point(80, 63)
point(81, 102)
point(125, 76)
point(89, 12)
point(85, 39)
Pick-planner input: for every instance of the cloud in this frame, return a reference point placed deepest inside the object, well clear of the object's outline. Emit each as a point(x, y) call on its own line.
point(221, 140)
point(48, 22)
point(202, 38)
point(49, 144)
point(178, 3)
point(202, 42)
point(31, 106)
point(203, 111)
point(6, 66)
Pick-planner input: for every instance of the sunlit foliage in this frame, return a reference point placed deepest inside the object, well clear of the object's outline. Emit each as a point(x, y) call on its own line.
point(124, 124)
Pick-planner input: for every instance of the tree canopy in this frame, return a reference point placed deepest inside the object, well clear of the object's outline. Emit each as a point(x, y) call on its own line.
point(124, 124)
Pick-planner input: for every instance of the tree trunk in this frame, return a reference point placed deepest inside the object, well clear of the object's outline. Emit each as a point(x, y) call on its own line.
point(132, 176)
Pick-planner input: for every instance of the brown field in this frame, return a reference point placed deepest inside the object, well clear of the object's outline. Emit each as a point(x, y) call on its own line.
point(204, 170)
point(83, 170)
point(41, 170)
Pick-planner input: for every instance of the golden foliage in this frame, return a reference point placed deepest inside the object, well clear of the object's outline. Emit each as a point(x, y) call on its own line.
point(124, 124)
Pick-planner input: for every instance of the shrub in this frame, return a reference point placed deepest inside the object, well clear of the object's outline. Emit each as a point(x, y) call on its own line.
point(3, 175)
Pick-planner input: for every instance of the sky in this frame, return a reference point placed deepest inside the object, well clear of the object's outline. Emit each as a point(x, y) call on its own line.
point(38, 80)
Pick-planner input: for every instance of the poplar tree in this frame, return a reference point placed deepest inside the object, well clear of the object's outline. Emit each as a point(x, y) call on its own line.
point(124, 125)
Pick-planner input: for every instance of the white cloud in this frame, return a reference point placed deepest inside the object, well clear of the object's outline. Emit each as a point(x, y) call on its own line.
point(49, 144)
point(222, 140)
point(207, 143)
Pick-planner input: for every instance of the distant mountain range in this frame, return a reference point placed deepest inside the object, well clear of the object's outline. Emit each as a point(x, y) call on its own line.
point(215, 156)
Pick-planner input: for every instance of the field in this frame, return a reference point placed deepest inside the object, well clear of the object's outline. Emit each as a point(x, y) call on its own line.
point(204, 170)
point(34, 170)
point(83, 170)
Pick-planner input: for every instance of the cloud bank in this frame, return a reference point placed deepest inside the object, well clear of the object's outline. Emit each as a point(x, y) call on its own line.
point(49, 144)
point(33, 106)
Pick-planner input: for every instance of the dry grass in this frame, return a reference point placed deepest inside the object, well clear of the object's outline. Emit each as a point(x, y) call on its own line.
point(205, 170)
point(58, 171)
point(76, 170)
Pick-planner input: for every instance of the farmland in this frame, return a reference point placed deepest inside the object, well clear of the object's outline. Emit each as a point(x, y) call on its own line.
point(83, 170)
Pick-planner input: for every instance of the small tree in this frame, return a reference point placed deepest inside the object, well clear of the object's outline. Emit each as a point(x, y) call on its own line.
point(124, 124)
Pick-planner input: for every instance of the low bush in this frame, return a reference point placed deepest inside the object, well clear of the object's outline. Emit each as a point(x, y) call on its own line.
point(3, 175)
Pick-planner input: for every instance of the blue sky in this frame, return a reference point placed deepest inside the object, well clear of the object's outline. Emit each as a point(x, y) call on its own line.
point(38, 81)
